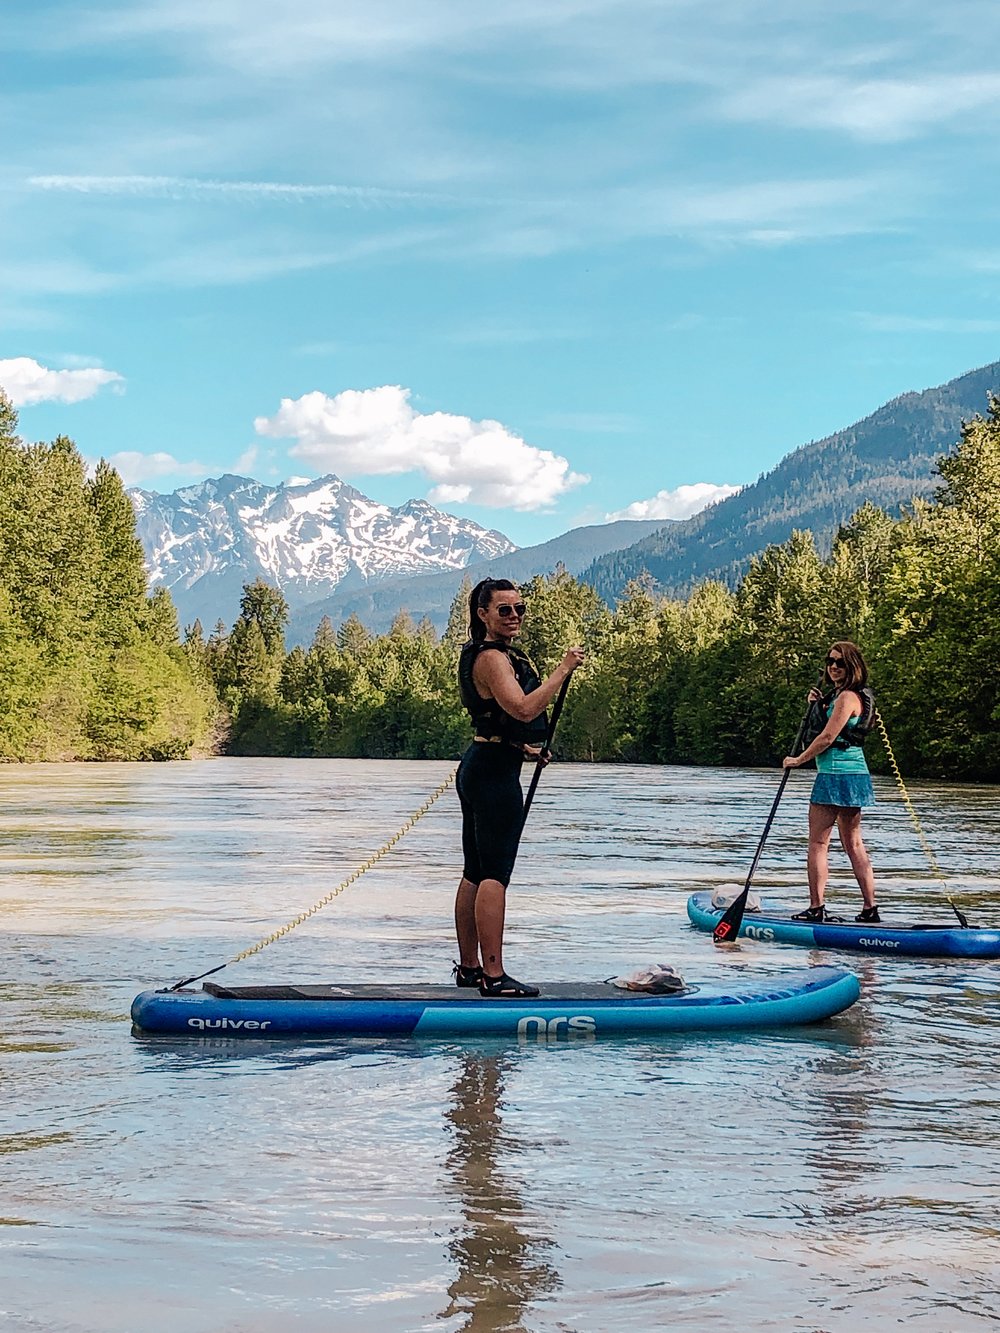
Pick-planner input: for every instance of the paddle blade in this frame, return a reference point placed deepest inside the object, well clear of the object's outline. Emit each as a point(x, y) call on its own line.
point(732, 918)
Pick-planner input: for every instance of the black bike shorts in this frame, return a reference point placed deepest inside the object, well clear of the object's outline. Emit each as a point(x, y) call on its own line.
point(489, 789)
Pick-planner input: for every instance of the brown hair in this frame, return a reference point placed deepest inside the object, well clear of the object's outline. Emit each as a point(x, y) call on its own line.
point(855, 667)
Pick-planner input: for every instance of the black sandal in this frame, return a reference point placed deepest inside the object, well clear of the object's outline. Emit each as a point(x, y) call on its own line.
point(505, 987)
point(466, 976)
point(869, 914)
point(811, 914)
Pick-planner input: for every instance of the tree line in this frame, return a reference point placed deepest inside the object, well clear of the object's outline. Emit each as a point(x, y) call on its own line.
point(91, 666)
point(716, 678)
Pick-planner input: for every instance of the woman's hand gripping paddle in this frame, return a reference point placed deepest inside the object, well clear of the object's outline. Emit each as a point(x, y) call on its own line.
point(729, 926)
point(546, 749)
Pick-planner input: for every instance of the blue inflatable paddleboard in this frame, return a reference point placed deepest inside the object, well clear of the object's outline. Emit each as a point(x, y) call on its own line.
point(562, 1010)
point(895, 938)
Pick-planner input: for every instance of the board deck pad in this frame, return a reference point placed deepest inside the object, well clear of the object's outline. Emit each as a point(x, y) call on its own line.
point(550, 990)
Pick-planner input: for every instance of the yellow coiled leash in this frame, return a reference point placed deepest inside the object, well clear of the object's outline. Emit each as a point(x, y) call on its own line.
point(932, 859)
point(328, 897)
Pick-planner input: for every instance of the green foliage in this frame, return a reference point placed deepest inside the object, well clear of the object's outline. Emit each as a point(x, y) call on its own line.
point(457, 630)
point(885, 460)
point(562, 613)
point(265, 607)
point(91, 666)
point(939, 629)
point(719, 678)
point(120, 577)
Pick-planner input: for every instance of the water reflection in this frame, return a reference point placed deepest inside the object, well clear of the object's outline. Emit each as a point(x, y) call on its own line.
point(844, 1167)
point(502, 1266)
point(841, 1093)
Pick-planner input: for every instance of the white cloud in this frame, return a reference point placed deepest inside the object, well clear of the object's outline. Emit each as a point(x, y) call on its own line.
point(374, 432)
point(983, 262)
point(247, 461)
point(134, 467)
point(681, 503)
point(26, 382)
point(765, 211)
point(185, 187)
point(884, 110)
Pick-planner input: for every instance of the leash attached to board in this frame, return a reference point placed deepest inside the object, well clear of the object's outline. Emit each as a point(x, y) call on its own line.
point(328, 897)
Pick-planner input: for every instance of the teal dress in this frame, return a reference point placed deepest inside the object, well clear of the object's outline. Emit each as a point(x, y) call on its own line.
point(842, 776)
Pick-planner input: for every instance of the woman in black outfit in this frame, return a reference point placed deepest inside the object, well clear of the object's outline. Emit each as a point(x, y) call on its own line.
point(506, 700)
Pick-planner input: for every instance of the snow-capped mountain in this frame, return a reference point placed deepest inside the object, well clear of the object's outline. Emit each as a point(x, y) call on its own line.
point(307, 538)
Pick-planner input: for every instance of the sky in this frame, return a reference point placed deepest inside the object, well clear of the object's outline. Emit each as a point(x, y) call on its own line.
point(543, 264)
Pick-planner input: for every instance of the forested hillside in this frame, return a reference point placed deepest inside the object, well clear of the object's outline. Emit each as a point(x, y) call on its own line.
point(887, 459)
point(90, 666)
point(717, 678)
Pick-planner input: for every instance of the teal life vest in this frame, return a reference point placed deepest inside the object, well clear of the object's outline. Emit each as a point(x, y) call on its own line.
point(857, 730)
point(488, 718)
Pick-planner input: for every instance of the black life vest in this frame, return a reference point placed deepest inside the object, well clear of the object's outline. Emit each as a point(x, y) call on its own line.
point(851, 735)
point(488, 718)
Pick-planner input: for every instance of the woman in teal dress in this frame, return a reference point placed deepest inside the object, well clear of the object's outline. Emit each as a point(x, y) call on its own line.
point(843, 785)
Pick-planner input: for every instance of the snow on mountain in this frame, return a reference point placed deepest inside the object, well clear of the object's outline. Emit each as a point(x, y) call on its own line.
point(309, 538)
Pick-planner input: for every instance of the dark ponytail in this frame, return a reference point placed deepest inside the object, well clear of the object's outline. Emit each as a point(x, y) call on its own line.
point(480, 597)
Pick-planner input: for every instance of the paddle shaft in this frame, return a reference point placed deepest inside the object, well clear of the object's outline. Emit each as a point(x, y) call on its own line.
point(729, 926)
point(546, 748)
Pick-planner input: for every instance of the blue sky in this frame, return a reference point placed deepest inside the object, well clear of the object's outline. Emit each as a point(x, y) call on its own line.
point(540, 263)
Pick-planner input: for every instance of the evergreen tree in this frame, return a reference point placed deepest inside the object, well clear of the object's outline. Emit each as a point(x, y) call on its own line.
point(610, 693)
point(939, 631)
point(324, 636)
point(92, 670)
point(266, 607)
point(11, 472)
point(352, 638)
point(120, 574)
point(457, 631)
point(780, 619)
point(161, 619)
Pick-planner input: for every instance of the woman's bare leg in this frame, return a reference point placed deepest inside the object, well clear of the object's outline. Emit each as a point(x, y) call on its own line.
point(465, 923)
point(849, 827)
point(491, 903)
point(821, 821)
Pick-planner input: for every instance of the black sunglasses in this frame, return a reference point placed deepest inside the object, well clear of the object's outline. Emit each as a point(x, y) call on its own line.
point(835, 661)
point(506, 610)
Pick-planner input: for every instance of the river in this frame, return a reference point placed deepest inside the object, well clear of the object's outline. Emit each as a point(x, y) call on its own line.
point(819, 1179)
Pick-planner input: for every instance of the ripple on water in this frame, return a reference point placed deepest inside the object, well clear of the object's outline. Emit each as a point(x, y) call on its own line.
point(799, 1180)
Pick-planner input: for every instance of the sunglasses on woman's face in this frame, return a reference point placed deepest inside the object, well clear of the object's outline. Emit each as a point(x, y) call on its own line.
point(506, 610)
point(835, 661)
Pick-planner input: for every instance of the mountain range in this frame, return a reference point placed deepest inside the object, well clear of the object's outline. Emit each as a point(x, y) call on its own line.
point(888, 458)
point(431, 595)
point(333, 551)
point(330, 549)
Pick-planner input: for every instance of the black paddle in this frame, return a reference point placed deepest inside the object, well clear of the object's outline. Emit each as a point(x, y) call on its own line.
point(729, 926)
point(546, 749)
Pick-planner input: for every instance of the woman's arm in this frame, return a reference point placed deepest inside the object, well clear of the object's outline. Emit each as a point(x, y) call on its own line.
point(848, 705)
point(494, 673)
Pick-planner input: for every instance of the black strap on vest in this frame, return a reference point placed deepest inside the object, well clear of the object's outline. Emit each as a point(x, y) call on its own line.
point(488, 718)
point(857, 735)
